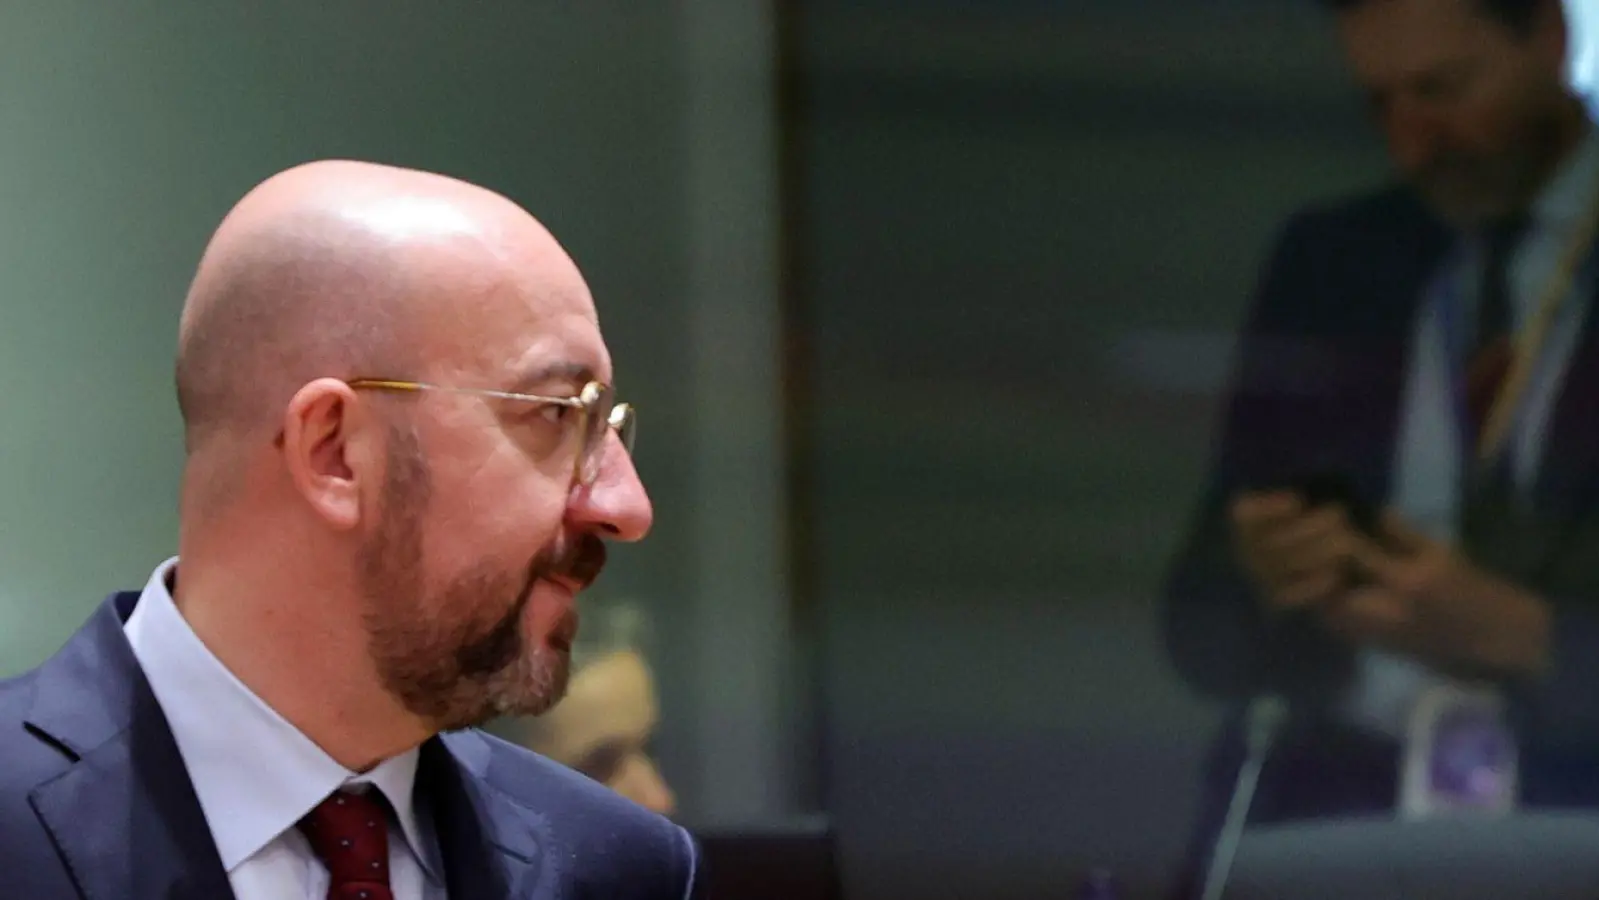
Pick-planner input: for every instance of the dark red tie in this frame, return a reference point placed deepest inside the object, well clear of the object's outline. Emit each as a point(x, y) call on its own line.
point(1488, 484)
point(350, 834)
point(1485, 378)
point(1492, 351)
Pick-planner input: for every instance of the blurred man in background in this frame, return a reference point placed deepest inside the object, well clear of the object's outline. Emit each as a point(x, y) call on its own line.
point(1400, 534)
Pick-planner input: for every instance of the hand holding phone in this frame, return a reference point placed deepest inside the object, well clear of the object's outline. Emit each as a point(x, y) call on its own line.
point(1333, 489)
point(1295, 541)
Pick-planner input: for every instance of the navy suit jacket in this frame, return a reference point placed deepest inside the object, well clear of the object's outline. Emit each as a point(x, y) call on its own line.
point(95, 803)
point(1318, 384)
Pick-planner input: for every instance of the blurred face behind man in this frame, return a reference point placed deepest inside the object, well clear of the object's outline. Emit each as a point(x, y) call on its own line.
point(1476, 112)
point(604, 727)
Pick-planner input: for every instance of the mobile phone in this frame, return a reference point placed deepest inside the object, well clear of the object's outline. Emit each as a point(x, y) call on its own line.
point(1328, 488)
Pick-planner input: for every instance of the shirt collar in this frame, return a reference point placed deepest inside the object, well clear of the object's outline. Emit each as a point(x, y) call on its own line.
point(254, 773)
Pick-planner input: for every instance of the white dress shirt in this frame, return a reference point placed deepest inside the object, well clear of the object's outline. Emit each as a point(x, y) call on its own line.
point(256, 775)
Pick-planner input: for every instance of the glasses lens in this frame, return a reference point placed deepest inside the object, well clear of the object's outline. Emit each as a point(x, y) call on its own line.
point(598, 401)
point(625, 422)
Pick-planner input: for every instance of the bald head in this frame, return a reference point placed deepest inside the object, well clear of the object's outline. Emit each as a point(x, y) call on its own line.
point(332, 269)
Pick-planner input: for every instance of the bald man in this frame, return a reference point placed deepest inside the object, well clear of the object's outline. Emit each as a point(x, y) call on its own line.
point(404, 461)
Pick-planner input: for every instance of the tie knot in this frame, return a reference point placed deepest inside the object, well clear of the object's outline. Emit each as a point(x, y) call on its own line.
point(349, 832)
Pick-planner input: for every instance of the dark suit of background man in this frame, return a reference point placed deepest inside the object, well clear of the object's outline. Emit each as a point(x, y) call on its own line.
point(403, 458)
point(1382, 348)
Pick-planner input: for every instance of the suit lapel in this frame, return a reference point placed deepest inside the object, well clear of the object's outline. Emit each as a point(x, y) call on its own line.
point(122, 813)
point(1568, 478)
point(128, 825)
point(489, 844)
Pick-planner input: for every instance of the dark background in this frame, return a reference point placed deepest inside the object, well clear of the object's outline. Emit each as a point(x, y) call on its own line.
point(1006, 243)
point(1026, 230)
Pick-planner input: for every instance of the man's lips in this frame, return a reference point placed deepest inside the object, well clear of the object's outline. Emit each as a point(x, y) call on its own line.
point(567, 583)
point(565, 631)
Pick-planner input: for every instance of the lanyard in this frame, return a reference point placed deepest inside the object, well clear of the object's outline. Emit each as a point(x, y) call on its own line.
point(1528, 343)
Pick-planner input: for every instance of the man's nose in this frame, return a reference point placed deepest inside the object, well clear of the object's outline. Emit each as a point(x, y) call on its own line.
point(616, 505)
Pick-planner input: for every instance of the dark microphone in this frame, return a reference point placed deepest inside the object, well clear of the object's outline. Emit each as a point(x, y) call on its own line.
point(1263, 722)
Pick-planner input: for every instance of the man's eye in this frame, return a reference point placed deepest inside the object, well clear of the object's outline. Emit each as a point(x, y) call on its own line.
point(554, 413)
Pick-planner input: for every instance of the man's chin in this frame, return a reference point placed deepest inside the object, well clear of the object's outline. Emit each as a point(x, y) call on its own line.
point(543, 683)
point(560, 674)
point(1476, 204)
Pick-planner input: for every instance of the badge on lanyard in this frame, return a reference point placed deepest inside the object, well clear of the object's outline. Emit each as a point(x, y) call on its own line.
point(1460, 757)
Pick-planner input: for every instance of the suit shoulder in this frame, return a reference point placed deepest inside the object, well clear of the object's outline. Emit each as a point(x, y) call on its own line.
point(15, 694)
point(1392, 209)
point(30, 756)
point(30, 760)
point(1348, 263)
point(645, 854)
point(541, 784)
point(16, 701)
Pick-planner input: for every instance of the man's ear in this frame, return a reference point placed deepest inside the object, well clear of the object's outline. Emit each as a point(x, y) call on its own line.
point(328, 447)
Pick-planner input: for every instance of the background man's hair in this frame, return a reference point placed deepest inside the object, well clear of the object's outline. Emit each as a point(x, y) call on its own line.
point(610, 625)
point(1517, 15)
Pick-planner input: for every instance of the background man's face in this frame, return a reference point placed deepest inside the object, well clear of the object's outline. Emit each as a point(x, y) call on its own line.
point(1475, 114)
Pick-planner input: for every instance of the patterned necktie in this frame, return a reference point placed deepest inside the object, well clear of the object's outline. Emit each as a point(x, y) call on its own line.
point(1488, 501)
point(1492, 344)
point(350, 834)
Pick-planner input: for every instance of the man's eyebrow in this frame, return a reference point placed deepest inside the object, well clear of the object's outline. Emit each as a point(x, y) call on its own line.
point(533, 380)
